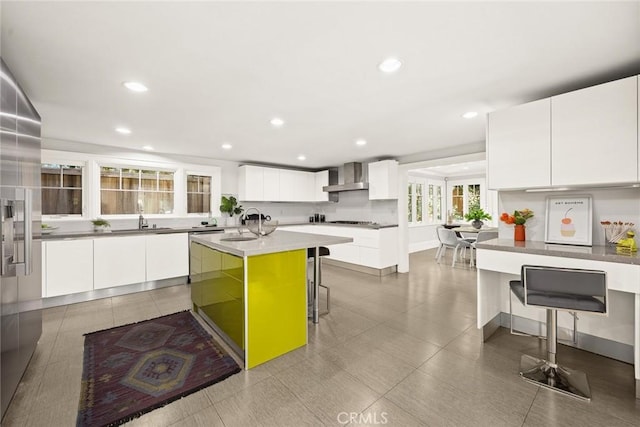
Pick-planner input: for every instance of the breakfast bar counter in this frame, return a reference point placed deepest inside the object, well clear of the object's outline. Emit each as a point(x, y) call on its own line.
point(616, 335)
point(254, 292)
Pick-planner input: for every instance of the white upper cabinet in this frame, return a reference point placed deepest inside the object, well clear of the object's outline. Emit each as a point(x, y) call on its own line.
point(271, 184)
point(594, 134)
point(263, 184)
point(519, 146)
point(322, 180)
point(383, 180)
point(251, 183)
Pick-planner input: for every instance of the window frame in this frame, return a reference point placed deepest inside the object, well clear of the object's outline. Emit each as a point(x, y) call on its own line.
point(140, 166)
point(465, 183)
point(47, 159)
point(414, 181)
point(214, 208)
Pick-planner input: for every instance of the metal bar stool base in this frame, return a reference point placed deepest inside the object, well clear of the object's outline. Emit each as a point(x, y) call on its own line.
point(563, 380)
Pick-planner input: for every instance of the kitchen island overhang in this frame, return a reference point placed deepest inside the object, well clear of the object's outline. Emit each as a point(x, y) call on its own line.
point(254, 293)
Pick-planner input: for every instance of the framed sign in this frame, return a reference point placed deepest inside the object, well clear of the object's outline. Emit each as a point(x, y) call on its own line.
point(568, 220)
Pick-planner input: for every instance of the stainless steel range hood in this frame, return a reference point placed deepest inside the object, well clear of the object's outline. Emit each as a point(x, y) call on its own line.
point(352, 177)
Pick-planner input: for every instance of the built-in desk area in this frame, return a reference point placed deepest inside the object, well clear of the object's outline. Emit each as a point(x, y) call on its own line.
point(616, 335)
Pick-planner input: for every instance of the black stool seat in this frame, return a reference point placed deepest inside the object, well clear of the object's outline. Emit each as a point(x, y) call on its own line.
point(311, 252)
point(558, 299)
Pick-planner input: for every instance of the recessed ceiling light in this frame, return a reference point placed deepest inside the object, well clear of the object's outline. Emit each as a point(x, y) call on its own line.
point(390, 65)
point(123, 131)
point(147, 147)
point(226, 146)
point(302, 157)
point(277, 122)
point(135, 86)
point(470, 114)
point(361, 142)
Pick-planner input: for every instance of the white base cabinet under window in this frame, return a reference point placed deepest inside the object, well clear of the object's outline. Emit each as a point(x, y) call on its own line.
point(118, 261)
point(167, 256)
point(69, 267)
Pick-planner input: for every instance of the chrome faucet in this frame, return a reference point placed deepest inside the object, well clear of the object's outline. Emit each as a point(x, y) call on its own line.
point(244, 217)
point(142, 223)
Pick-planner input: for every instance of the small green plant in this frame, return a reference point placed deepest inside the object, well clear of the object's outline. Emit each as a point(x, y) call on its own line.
point(230, 206)
point(476, 214)
point(99, 222)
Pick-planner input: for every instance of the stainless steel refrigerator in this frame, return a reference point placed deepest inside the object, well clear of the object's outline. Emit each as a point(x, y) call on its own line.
point(20, 251)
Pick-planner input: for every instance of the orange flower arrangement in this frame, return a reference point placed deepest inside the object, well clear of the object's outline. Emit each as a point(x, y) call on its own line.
point(518, 217)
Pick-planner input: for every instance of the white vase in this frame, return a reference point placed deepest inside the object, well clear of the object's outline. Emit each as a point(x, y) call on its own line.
point(231, 221)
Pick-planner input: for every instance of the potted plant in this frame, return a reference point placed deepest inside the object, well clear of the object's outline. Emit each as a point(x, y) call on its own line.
point(229, 205)
point(476, 215)
point(100, 225)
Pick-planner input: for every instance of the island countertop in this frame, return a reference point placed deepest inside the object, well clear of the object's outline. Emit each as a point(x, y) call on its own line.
point(595, 253)
point(278, 241)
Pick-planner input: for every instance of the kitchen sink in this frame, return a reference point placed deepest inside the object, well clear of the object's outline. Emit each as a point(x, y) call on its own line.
point(238, 238)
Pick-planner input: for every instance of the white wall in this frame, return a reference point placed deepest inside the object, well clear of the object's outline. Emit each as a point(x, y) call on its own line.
point(613, 204)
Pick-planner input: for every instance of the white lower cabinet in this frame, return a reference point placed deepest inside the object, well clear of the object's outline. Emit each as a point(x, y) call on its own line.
point(375, 248)
point(72, 266)
point(69, 267)
point(167, 256)
point(118, 261)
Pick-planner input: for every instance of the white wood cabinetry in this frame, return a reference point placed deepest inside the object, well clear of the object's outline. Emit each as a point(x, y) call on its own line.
point(68, 267)
point(322, 180)
point(167, 255)
point(118, 261)
point(588, 137)
point(594, 134)
point(519, 146)
point(263, 184)
point(375, 248)
point(251, 183)
point(383, 180)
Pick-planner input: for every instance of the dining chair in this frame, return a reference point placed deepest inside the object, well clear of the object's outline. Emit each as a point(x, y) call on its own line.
point(483, 236)
point(448, 239)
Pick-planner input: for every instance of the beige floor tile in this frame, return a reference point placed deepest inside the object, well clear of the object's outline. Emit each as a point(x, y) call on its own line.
point(403, 346)
point(236, 383)
point(438, 333)
point(207, 417)
point(268, 402)
point(383, 412)
point(374, 368)
point(326, 389)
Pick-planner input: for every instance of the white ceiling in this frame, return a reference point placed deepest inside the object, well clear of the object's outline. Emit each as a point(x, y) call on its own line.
point(454, 169)
point(219, 71)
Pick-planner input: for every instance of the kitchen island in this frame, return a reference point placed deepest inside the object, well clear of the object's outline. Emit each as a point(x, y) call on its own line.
point(616, 335)
point(254, 292)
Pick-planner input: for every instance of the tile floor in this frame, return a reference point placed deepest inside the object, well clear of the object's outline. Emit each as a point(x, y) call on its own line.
point(402, 350)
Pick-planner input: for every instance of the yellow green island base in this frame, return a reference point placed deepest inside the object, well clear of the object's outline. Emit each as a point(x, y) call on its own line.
point(256, 303)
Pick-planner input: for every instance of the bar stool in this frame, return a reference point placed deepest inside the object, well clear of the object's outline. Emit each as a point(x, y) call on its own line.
point(567, 289)
point(323, 251)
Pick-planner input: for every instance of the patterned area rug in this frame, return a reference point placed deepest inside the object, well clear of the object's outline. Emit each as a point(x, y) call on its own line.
point(133, 369)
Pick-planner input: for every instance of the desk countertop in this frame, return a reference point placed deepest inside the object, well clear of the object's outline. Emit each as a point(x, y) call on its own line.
point(278, 241)
point(596, 253)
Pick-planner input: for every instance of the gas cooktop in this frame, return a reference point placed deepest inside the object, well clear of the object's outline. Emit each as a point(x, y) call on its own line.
point(353, 222)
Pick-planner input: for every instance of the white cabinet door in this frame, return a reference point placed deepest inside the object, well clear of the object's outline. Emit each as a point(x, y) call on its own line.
point(250, 183)
point(271, 185)
point(287, 185)
point(383, 180)
point(322, 180)
point(595, 134)
point(167, 255)
point(519, 146)
point(118, 261)
point(68, 267)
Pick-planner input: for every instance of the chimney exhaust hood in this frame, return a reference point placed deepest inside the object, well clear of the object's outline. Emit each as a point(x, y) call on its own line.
point(352, 179)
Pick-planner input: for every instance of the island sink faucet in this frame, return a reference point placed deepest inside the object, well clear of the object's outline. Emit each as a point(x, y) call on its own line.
point(244, 217)
point(142, 223)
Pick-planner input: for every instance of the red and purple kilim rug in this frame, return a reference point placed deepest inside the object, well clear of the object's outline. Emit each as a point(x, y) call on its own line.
point(130, 370)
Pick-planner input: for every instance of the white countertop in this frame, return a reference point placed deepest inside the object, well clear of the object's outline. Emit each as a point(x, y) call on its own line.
point(278, 241)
